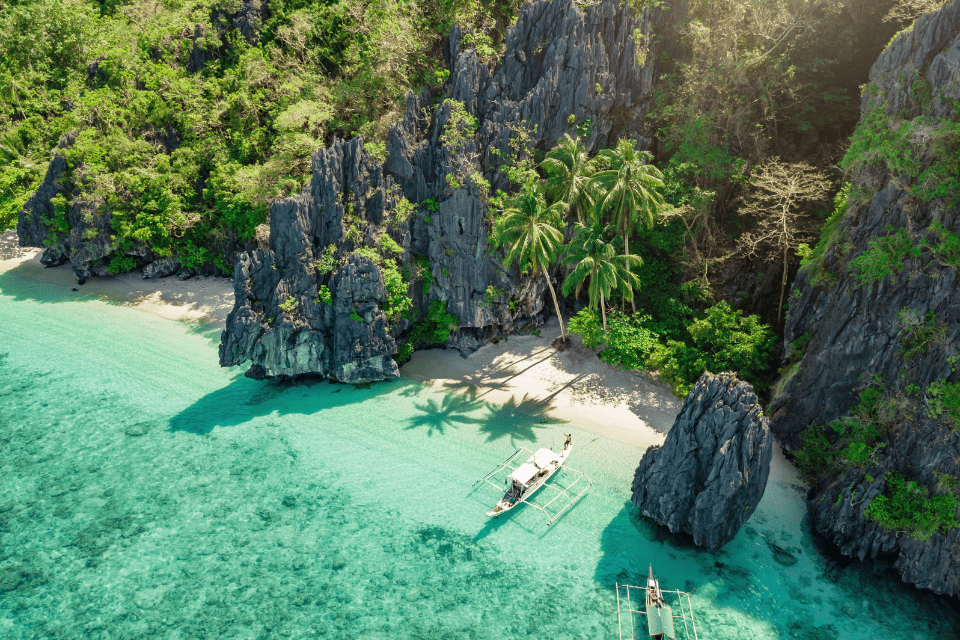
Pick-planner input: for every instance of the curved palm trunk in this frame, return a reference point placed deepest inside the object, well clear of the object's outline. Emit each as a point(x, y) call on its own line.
point(626, 250)
point(603, 310)
point(556, 305)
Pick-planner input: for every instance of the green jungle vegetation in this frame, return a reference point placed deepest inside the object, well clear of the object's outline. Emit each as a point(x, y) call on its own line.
point(187, 125)
point(187, 157)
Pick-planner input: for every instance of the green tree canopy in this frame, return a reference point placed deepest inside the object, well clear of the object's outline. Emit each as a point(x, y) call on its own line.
point(528, 231)
point(630, 190)
point(568, 175)
point(597, 265)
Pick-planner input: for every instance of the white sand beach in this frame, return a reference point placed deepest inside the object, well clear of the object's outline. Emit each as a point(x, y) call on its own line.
point(522, 371)
point(574, 385)
point(199, 299)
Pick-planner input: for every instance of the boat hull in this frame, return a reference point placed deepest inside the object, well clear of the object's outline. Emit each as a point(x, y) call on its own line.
point(505, 504)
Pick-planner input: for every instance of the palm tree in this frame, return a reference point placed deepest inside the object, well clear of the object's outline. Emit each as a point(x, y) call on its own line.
point(569, 170)
point(528, 229)
point(595, 259)
point(629, 190)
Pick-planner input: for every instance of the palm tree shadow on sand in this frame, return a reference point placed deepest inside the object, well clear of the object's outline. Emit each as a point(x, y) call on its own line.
point(518, 420)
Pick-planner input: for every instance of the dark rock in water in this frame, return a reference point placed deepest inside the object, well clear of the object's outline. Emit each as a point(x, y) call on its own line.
point(711, 472)
point(139, 429)
point(858, 333)
point(781, 555)
point(161, 268)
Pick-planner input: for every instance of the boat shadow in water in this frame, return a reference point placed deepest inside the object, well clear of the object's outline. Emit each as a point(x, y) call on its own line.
point(258, 399)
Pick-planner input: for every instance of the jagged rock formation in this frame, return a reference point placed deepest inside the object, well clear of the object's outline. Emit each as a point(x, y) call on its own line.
point(559, 60)
point(860, 330)
point(712, 469)
point(922, 449)
point(246, 19)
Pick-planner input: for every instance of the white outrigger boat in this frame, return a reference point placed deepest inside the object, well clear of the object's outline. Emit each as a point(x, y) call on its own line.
point(660, 617)
point(525, 479)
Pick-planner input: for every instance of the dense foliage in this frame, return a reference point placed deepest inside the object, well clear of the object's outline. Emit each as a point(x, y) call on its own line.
point(191, 115)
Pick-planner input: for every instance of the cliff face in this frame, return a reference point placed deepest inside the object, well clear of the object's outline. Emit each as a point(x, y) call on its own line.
point(559, 60)
point(881, 307)
point(712, 469)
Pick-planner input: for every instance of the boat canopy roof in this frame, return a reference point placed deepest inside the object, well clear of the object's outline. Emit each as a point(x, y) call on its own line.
point(545, 457)
point(524, 473)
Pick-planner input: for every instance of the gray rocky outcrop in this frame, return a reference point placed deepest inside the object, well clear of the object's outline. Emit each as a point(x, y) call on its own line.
point(246, 19)
point(712, 469)
point(856, 328)
point(920, 449)
point(560, 60)
point(849, 330)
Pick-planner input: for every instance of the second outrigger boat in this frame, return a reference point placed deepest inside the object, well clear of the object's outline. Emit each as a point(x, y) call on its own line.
point(661, 621)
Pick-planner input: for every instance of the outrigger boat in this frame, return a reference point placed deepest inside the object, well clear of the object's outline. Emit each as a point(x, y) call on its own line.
point(660, 617)
point(525, 479)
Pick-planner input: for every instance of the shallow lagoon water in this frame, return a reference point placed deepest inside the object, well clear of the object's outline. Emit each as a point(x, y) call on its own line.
point(147, 493)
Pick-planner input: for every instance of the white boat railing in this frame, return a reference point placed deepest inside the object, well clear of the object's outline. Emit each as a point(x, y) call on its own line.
point(560, 491)
point(685, 616)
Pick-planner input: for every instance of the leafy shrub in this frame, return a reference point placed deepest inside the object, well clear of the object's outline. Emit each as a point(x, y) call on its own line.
point(435, 327)
point(723, 340)
point(919, 334)
point(945, 400)
point(398, 300)
point(328, 260)
point(289, 305)
point(906, 507)
point(324, 296)
point(946, 246)
point(816, 454)
point(422, 273)
point(390, 245)
point(628, 340)
point(883, 257)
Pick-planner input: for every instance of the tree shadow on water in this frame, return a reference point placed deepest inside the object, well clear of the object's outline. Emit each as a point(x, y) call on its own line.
point(243, 400)
point(453, 411)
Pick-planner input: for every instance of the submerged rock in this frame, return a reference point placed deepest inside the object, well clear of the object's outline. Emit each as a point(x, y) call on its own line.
point(711, 472)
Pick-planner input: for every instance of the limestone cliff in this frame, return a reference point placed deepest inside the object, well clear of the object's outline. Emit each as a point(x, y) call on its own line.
point(559, 61)
point(880, 309)
point(712, 469)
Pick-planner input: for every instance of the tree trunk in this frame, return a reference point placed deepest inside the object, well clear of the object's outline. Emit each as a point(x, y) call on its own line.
point(626, 250)
point(783, 285)
point(603, 310)
point(556, 305)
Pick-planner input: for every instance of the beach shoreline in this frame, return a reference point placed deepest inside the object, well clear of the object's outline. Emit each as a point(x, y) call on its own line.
point(202, 299)
point(521, 372)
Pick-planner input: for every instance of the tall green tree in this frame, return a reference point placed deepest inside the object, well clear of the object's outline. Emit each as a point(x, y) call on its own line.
point(528, 230)
point(630, 191)
point(568, 175)
point(597, 265)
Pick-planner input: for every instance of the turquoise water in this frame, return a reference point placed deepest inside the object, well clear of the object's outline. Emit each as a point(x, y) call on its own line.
point(147, 493)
